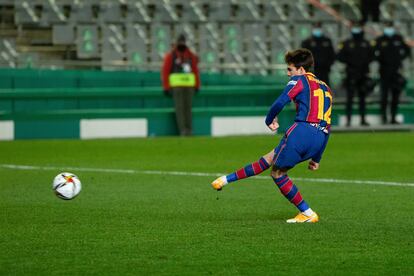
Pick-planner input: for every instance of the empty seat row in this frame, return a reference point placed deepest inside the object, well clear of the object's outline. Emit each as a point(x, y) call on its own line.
point(47, 12)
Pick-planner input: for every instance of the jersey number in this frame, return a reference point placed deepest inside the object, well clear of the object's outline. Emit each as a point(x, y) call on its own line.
point(321, 104)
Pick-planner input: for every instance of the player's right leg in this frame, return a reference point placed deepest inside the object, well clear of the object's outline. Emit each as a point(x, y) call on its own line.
point(291, 192)
point(251, 169)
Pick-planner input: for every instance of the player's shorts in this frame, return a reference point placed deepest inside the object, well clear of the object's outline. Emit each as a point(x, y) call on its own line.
point(301, 142)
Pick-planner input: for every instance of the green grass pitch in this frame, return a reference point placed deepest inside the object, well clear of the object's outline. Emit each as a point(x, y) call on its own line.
point(137, 223)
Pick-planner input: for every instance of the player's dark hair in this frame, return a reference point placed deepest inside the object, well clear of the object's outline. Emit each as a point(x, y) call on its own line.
point(300, 58)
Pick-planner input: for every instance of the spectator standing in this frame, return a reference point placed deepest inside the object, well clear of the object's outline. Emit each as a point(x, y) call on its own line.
point(356, 53)
point(323, 52)
point(390, 51)
point(181, 79)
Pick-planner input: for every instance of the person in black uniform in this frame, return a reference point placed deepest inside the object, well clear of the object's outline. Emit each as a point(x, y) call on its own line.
point(357, 53)
point(322, 50)
point(390, 51)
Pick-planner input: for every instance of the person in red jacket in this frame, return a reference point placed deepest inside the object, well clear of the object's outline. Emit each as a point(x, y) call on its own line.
point(181, 79)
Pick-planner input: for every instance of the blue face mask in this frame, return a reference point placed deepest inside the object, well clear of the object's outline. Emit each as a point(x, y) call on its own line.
point(389, 31)
point(317, 32)
point(356, 30)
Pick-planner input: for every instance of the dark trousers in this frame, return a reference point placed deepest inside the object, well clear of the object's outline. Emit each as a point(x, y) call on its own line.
point(370, 7)
point(388, 87)
point(352, 87)
point(183, 100)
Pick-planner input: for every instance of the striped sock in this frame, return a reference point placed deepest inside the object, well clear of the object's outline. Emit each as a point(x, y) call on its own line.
point(291, 192)
point(252, 169)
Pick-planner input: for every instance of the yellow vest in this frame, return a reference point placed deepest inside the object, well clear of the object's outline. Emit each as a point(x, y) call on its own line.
point(182, 80)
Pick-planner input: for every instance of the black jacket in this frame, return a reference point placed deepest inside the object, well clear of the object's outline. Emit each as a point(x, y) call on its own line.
point(390, 53)
point(357, 54)
point(322, 50)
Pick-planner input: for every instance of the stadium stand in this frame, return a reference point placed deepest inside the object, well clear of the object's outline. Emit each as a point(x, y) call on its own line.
point(240, 44)
point(163, 20)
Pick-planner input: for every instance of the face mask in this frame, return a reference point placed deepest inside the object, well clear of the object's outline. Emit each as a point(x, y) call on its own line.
point(356, 30)
point(389, 31)
point(181, 48)
point(317, 32)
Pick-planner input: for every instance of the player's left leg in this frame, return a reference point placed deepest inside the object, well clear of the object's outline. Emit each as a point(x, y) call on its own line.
point(249, 170)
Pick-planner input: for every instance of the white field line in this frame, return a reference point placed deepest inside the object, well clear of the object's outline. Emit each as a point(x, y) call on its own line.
point(154, 172)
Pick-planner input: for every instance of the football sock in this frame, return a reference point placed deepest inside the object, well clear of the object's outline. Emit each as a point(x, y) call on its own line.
point(291, 192)
point(308, 212)
point(252, 169)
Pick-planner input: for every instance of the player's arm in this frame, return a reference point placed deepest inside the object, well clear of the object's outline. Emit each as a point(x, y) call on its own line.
point(293, 87)
point(313, 166)
point(274, 125)
point(276, 107)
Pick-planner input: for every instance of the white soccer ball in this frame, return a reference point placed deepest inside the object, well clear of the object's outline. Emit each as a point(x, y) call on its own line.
point(66, 185)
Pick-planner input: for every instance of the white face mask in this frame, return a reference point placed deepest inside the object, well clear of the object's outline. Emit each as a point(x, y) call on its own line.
point(317, 32)
point(389, 31)
point(356, 30)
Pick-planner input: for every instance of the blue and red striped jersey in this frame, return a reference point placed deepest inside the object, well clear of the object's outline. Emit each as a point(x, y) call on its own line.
point(313, 99)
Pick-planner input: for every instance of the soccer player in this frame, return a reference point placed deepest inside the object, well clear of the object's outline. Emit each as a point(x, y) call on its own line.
point(306, 139)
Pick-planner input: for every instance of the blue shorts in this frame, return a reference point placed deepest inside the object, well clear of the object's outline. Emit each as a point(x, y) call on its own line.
point(301, 142)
